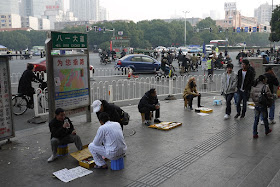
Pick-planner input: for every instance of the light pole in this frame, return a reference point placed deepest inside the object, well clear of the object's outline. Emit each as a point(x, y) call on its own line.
point(186, 26)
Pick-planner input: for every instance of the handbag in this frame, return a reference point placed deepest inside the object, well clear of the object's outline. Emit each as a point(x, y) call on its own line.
point(263, 98)
point(125, 118)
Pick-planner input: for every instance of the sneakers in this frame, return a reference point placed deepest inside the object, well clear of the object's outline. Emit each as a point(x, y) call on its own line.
point(226, 116)
point(272, 121)
point(236, 116)
point(52, 158)
point(147, 123)
point(262, 122)
point(157, 121)
point(269, 131)
point(255, 136)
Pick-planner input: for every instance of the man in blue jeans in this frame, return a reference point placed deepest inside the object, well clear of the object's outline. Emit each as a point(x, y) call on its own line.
point(245, 79)
point(271, 81)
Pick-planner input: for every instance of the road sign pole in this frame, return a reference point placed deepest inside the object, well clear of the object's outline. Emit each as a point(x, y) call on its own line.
point(50, 75)
point(88, 111)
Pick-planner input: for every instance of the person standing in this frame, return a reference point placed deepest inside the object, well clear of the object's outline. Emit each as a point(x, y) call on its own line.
point(108, 142)
point(148, 103)
point(191, 92)
point(245, 79)
point(229, 87)
point(210, 67)
point(271, 81)
point(62, 132)
point(260, 108)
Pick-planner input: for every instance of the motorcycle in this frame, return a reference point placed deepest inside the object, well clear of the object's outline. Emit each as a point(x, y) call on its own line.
point(104, 59)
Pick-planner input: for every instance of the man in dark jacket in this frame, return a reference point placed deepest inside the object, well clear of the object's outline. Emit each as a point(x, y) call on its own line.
point(25, 83)
point(149, 102)
point(62, 132)
point(114, 111)
point(271, 81)
point(245, 79)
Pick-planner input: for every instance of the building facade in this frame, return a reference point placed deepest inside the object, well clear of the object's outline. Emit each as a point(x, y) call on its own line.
point(85, 10)
point(10, 21)
point(30, 22)
point(263, 13)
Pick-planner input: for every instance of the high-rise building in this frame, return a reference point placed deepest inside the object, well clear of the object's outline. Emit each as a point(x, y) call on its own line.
point(103, 15)
point(39, 6)
point(85, 10)
point(10, 21)
point(26, 8)
point(9, 7)
point(263, 13)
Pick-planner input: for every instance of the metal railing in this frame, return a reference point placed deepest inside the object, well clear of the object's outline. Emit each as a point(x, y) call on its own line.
point(133, 89)
point(103, 72)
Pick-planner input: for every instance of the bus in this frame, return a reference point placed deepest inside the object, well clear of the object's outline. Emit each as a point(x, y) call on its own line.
point(218, 43)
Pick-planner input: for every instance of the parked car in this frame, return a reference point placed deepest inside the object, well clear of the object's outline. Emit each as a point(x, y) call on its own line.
point(139, 63)
point(40, 66)
point(194, 50)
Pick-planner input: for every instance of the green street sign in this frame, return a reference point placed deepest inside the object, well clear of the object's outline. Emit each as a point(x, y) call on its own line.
point(62, 40)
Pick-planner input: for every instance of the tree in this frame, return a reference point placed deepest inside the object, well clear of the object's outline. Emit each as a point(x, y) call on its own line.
point(275, 25)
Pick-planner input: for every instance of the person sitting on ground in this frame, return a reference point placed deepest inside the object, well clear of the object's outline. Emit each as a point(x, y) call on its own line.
point(112, 110)
point(149, 102)
point(260, 108)
point(190, 92)
point(229, 87)
point(62, 132)
point(108, 142)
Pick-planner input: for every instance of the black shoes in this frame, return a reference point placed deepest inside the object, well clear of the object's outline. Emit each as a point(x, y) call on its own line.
point(200, 106)
point(236, 116)
point(157, 121)
point(242, 116)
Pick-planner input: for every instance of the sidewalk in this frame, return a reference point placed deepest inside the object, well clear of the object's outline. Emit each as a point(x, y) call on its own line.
point(204, 151)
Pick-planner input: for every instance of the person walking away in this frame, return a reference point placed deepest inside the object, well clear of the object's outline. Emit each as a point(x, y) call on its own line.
point(210, 67)
point(108, 142)
point(229, 87)
point(245, 79)
point(260, 88)
point(191, 92)
point(271, 81)
point(25, 83)
point(194, 63)
point(164, 61)
point(62, 132)
point(149, 102)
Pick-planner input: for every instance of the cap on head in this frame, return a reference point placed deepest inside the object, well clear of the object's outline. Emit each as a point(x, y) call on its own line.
point(96, 105)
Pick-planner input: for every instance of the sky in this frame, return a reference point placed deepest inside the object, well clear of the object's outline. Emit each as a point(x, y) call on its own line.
point(166, 9)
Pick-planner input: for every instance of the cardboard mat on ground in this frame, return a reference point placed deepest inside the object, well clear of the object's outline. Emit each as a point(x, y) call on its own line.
point(67, 175)
point(84, 157)
point(165, 125)
point(204, 110)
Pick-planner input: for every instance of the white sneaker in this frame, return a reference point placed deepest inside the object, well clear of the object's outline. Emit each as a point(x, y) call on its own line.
point(52, 158)
point(272, 121)
point(226, 116)
point(262, 122)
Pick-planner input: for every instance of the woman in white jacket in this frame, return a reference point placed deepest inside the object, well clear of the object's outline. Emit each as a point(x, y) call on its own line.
point(229, 87)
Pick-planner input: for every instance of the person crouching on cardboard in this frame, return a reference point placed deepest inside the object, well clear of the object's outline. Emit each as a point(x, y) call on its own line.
point(108, 142)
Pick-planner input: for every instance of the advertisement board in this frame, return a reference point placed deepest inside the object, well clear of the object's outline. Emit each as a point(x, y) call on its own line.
point(6, 117)
point(71, 81)
point(230, 6)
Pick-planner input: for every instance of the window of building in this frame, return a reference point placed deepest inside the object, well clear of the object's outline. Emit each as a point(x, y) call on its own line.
point(9, 16)
point(229, 21)
point(3, 25)
point(10, 25)
point(3, 16)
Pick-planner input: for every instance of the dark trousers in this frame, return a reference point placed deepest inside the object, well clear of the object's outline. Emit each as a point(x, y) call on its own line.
point(260, 111)
point(190, 99)
point(242, 96)
point(66, 140)
point(228, 103)
point(147, 111)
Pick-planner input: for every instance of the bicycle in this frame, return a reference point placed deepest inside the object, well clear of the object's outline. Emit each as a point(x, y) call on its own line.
point(20, 101)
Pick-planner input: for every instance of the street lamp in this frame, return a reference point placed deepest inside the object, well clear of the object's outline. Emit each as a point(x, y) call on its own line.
point(186, 26)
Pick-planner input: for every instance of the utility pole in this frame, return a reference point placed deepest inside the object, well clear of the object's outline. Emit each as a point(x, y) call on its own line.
point(185, 27)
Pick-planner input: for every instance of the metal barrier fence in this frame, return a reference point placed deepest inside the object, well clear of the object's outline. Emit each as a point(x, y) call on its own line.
point(124, 90)
point(101, 72)
point(132, 89)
